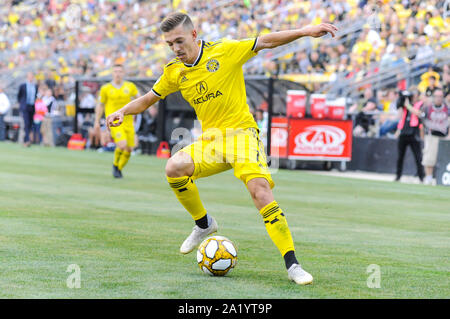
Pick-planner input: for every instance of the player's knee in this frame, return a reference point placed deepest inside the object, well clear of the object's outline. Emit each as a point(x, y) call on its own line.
point(262, 195)
point(179, 165)
point(122, 145)
point(171, 169)
point(260, 191)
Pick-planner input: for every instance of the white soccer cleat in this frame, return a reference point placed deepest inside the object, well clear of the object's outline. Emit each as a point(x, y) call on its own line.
point(197, 236)
point(298, 275)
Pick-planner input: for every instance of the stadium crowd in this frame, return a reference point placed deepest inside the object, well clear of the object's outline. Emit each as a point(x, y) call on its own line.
point(53, 39)
point(59, 34)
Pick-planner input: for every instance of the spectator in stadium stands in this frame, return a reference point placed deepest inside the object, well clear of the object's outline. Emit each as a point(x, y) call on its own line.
point(26, 97)
point(343, 63)
point(424, 50)
point(60, 92)
point(388, 57)
point(50, 81)
point(431, 86)
point(364, 110)
point(316, 64)
point(146, 131)
point(389, 118)
point(93, 139)
point(106, 141)
point(436, 121)
point(425, 80)
point(408, 130)
point(137, 123)
point(429, 81)
point(447, 100)
point(4, 108)
point(102, 142)
point(324, 56)
point(446, 80)
point(87, 104)
point(304, 65)
point(153, 120)
point(272, 68)
point(398, 59)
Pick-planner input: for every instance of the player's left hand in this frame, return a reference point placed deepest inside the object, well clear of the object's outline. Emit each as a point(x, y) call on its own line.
point(322, 29)
point(114, 119)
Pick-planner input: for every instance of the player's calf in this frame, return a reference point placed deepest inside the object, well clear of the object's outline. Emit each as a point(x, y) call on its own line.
point(260, 191)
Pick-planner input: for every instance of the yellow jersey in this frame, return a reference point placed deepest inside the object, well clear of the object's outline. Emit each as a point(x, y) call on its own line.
point(214, 84)
point(115, 98)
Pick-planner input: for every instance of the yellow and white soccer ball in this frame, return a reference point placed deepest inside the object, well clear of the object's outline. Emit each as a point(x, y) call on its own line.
point(217, 256)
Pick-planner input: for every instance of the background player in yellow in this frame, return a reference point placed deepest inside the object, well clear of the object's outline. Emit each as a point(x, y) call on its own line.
point(113, 96)
point(209, 75)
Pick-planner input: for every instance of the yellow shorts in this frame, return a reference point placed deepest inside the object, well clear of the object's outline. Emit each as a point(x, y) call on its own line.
point(240, 149)
point(123, 132)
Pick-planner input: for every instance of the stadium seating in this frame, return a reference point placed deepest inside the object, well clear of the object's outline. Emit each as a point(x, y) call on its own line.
point(54, 38)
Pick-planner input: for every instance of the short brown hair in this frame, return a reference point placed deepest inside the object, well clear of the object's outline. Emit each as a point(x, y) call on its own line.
point(173, 20)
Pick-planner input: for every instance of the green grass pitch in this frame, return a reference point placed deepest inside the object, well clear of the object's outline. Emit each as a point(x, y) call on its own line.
point(60, 207)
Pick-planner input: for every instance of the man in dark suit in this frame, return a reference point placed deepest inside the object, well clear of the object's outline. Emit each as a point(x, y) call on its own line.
point(26, 98)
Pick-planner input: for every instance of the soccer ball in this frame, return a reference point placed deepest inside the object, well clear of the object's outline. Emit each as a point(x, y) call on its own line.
point(216, 256)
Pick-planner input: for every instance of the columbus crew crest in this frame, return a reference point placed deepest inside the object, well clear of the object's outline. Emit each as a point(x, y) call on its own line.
point(212, 65)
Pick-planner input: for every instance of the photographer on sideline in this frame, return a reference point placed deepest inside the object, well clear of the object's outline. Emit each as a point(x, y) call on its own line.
point(408, 129)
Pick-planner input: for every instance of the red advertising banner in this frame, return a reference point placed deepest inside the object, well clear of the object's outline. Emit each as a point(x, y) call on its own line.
point(312, 139)
point(279, 137)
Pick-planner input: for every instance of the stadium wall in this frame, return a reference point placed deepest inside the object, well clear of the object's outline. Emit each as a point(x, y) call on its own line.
point(380, 155)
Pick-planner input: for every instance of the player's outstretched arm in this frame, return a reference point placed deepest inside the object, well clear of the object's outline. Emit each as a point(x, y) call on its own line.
point(276, 39)
point(134, 107)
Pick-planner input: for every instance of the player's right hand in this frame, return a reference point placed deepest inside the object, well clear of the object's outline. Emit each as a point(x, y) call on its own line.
point(115, 119)
point(321, 30)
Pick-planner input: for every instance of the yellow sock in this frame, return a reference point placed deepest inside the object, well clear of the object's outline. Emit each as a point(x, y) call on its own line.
point(117, 153)
point(123, 159)
point(187, 193)
point(277, 227)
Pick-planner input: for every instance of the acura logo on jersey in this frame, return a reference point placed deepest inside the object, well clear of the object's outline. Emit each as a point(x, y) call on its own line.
point(207, 97)
point(212, 65)
point(201, 87)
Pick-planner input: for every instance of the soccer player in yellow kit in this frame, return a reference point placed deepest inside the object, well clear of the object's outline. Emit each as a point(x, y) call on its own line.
point(113, 96)
point(209, 75)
